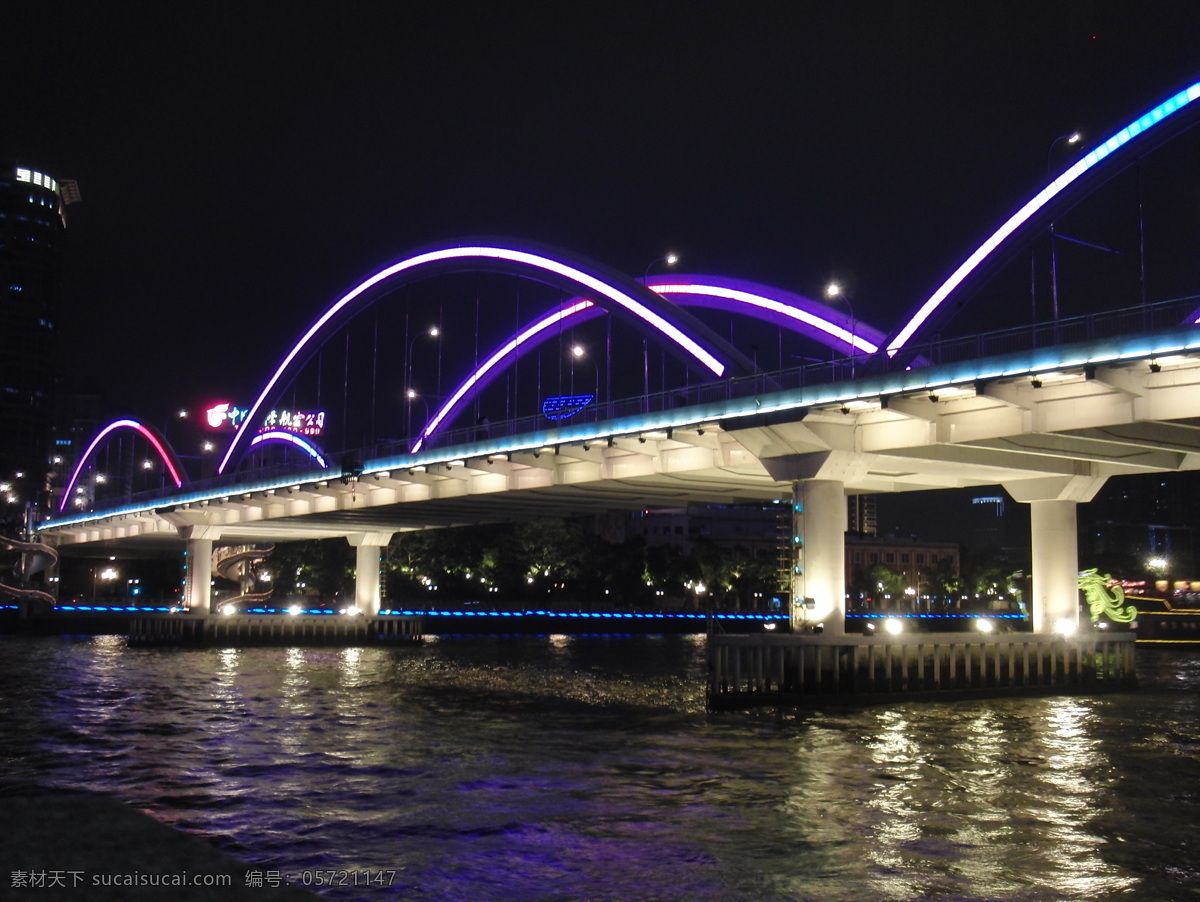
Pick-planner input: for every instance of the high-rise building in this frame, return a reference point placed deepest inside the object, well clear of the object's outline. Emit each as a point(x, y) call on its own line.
point(861, 515)
point(32, 223)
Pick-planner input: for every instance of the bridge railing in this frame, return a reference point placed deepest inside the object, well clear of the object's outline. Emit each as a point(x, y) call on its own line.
point(696, 394)
point(1090, 327)
point(1069, 330)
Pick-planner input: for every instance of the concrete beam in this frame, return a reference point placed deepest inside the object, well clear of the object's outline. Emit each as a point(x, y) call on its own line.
point(1081, 487)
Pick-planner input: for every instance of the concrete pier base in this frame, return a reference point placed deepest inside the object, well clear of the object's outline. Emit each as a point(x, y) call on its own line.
point(749, 670)
point(267, 629)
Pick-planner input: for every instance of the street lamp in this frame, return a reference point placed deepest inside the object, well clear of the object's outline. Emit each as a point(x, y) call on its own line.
point(1071, 138)
point(669, 259)
point(431, 332)
point(835, 292)
point(413, 395)
point(107, 575)
point(579, 352)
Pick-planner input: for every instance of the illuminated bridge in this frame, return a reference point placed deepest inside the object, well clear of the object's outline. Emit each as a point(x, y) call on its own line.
point(487, 380)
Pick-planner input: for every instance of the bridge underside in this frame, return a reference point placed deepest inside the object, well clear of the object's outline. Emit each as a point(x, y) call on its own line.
point(1050, 433)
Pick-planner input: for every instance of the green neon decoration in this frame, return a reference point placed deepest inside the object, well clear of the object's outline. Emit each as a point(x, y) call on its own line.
point(1103, 599)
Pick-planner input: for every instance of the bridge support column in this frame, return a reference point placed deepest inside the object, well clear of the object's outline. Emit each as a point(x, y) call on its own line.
point(367, 585)
point(197, 584)
point(1054, 534)
point(1055, 558)
point(819, 555)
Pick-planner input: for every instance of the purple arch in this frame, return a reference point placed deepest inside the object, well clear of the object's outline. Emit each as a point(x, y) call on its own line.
point(147, 432)
point(290, 438)
point(773, 305)
point(616, 292)
point(815, 320)
point(1102, 151)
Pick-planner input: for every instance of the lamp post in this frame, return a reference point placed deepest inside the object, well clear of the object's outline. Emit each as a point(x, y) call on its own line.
point(105, 575)
point(1071, 138)
point(413, 395)
point(579, 352)
point(835, 292)
point(431, 332)
point(180, 416)
point(669, 259)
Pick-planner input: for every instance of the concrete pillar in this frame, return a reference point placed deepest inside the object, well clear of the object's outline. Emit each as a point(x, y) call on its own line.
point(1054, 533)
point(197, 584)
point(197, 587)
point(819, 555)
point(368, 595)
point(1055, 564)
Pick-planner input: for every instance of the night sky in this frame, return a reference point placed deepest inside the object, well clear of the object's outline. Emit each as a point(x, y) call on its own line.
point(242, 164)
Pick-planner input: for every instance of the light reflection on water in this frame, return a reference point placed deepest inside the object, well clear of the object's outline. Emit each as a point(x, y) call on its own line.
point(586, 768)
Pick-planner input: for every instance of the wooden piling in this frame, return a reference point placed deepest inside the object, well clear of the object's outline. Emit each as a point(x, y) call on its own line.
point(267, 629)
point(747, 670)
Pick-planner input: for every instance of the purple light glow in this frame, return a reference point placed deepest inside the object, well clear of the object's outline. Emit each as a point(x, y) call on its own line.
point(481, 376)
point(291, 439)
point(1043, 197)
point(507, 255)
point(151, 437)
point(790, 311)
point(783, 308)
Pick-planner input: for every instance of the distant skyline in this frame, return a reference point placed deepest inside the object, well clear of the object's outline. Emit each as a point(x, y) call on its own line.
point(242, 165)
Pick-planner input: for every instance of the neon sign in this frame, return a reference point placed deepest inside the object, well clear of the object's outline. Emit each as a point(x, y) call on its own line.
point(224, 415)
point(561, 407)
point(33, 177)
point(1105, 599)
point(300, 422)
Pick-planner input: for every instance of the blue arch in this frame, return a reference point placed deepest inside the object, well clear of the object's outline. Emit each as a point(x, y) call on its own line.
point(1055, 198)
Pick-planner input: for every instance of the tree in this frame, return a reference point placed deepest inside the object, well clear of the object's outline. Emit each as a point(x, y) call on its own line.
point(323, 567)
point(877, 581)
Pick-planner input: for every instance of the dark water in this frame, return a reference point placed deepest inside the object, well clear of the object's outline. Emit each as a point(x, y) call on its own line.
point(586, 768)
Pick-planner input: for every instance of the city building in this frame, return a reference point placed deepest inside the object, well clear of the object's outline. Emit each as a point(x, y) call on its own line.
point(32, 226)
point(1136, 520)
point(756, 527)
point(912, 558)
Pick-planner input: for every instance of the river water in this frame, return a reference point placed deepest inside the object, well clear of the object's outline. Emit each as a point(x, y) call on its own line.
point(586, 768)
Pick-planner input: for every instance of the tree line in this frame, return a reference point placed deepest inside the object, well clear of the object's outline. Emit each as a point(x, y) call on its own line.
point(564, 561)
point(538, 561)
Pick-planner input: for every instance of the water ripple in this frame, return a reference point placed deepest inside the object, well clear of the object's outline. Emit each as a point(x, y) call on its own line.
point(561, 769)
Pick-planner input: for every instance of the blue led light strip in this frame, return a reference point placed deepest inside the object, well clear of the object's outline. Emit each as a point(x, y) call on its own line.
point(102, 608)
point(1039, 200)
point(578, 615)
point(888, 615)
